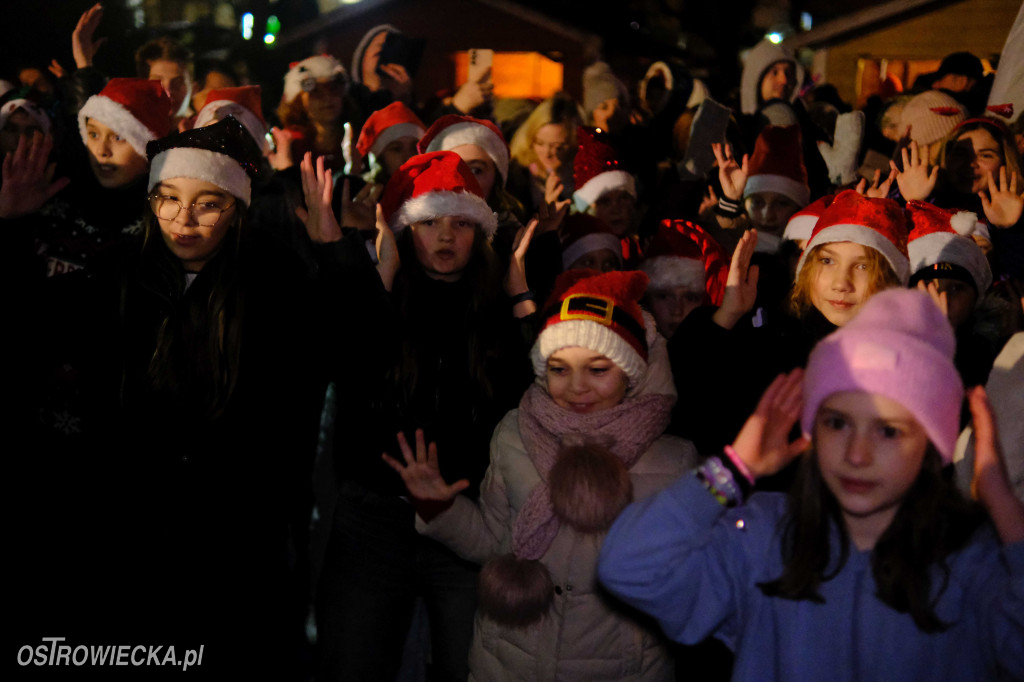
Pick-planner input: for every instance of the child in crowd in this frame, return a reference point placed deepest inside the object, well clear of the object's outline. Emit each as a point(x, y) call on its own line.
point(586, 438)
point(874, 566)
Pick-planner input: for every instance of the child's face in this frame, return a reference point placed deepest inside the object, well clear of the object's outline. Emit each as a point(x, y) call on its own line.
point(201, 217)
point(870, 450)
point(841, 281)
point(481, 164)
point(972, 157)
point(112, 158)
point(551, 145)
point(615, 209)
point(584, 381)
point(671, 306)
point(778, 81)
point(602, 260)
point(769, 211)
point(173, 76)
point(397, 152)
point(444, 246)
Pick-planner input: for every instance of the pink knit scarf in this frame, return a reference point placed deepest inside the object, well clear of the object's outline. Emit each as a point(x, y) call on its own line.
point(628, 429)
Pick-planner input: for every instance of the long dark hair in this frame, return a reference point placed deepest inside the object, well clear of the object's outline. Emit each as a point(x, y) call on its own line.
point(197, 349)
point(482, 278)
point(933, 521)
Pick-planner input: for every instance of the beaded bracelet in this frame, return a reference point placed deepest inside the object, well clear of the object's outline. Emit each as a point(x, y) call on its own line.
point(720, 482)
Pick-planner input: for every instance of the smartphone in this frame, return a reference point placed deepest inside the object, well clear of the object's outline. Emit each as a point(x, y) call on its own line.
point(480, 63)
point(403, 50)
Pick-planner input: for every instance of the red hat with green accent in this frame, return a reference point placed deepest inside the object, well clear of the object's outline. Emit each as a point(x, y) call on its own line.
point(600, 312)
point(879, 224)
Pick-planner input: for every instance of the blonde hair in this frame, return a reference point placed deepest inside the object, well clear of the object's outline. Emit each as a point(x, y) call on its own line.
point(560, 109)
point(882, 276)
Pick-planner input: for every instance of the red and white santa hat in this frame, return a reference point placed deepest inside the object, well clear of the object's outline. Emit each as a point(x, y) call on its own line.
point(243, 103)
point(583, 234)
point(452, 131)
point(596, 169)
point(778, 165)
point(801, 224)
point(941, 246)
point(599, 312)
point(31, 109)
point(137, 109)
point(435, 185)
point(880, 224)
point(386, 125)
point(303, 76)
point(682, 254)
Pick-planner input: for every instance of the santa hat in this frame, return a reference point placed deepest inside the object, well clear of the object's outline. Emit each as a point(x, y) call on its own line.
point(596, 169)
point(222, 153)
point(801, 224)
point(453, 131)
point(435, 185)
point(387, 125)
point(778, 165)
point(582, 234)
point(137, 109)
point(243, 103)
point(682, 254)
point(303, 76)
point(600, 312)
point(931, 116)
point(880, 224)
point(31, 109)
point(941, 247)
point(900, 346)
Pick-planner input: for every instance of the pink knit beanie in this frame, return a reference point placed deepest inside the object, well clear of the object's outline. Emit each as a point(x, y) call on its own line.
point(901, 346)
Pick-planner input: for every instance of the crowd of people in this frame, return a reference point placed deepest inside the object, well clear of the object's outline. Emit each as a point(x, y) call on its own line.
point(651, 386)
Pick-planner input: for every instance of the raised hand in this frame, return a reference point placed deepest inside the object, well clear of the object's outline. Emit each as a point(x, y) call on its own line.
point(421, 474)
point(471, 95)
point(763, 442)
point(940, 297)
point(731, 175)
point(708, 201)
point(991, 484)
point(83, 46)
point(917, 179)
point(515, 280)
point(28, 177)
point(388, 261)
point(398, 80)
point(1002, 205)
point(318, 189)
point(360, 212)
point(878, 188)
point(552, 211)
point(280, 157)
point(740, 285)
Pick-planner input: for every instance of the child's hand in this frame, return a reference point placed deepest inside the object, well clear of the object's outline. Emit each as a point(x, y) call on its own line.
point(740, 285)
point(932, 289)
point(916, 181)
point(28, 177)
point(878, 188)
point(421, 474)
point(763, 442)
point(991, 484)
point(318, 189)
point(1002, 205)
point(731, 175)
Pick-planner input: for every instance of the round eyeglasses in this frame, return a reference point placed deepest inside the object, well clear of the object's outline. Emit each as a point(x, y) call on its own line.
point(205, 213)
